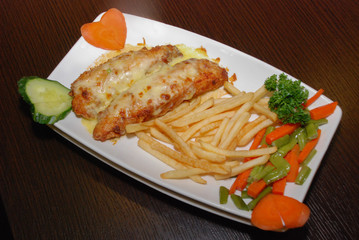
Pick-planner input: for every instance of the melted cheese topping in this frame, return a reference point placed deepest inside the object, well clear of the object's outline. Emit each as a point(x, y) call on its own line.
point(150, 89)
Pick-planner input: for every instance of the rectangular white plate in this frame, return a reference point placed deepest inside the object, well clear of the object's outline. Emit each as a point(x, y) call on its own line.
point(128, 158)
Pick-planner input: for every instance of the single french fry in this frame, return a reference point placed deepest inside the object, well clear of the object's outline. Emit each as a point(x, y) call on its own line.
point(224, 106)
point(219, 100)
point(265, 111)
point(137, 127)
point(232, 164)
point(252, 163)
point(234, 131)
point(233, 154)
point(179, 129)
point(196, 127)
point(177, 112)
point(264, 102)
point(250, 135)
point(145, 137)
point(206, 129)
point(159, 135)
point(217, 137)
point(259, 93)
point(210, 132)
point(244, 166)
point(207, 155)
point(205, 138)
point(232, 89)
point(205, 105)
point(182, 173)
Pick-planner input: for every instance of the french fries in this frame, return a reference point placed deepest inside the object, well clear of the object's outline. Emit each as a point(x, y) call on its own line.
point(207, 136)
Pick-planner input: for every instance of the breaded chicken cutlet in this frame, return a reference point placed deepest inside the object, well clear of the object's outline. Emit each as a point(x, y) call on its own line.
point(94, 90)
point(158, 89)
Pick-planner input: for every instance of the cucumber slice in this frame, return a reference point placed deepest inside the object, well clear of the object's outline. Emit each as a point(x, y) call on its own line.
point(49, 100)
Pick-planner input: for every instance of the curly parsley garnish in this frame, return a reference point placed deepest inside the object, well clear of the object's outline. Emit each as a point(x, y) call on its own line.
point(287, 99)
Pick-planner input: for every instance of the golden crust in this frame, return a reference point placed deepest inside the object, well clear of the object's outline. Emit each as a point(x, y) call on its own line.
point(174, 85)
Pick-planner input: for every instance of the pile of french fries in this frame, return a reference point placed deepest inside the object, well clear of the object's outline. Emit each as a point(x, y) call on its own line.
point(209, 134)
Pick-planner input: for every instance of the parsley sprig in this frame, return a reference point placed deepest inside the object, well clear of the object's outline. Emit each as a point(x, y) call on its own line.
point(287, 99)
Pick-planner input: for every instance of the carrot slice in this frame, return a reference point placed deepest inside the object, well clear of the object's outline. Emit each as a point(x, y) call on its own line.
point(308, 147)
point(292, 158)
point(323, 111)
point(277, 212)
point(313, 98)
point(279, 186)
point(109, 33)
point(280, 132)
point(266, 216)
point(256, 188)
point(256, 142)
point(294, 213)
point(240, 182)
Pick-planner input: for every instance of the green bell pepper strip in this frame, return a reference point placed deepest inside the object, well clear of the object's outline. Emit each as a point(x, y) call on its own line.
point(302, 138)
point(281, 141)
point(254, 171)
point(309, 157)
point(303, 175)
point(254, 202)
point(267, 169)
point(312, 131)
point(289, 146)
point(275, 175)
point(279, 162)
point(239, 203)
point(318, 122)
point(223, 194)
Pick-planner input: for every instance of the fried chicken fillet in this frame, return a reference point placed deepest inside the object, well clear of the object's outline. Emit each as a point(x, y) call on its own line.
point(94, 90)
point(157, 94)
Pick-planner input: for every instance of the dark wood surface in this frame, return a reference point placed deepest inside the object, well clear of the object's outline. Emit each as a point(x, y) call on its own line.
point(51, 189)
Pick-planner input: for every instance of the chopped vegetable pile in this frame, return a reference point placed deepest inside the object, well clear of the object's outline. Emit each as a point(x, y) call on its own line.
point(295, 136)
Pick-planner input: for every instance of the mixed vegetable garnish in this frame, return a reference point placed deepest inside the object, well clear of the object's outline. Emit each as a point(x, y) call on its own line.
point(295, 138)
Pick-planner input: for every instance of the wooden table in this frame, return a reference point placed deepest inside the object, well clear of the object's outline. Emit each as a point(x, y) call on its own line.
point(51, 189)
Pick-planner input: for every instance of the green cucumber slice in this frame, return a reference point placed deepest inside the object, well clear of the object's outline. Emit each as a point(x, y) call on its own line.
point(49, 100)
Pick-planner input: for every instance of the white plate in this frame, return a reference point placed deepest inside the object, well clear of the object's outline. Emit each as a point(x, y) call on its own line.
point(128, 158)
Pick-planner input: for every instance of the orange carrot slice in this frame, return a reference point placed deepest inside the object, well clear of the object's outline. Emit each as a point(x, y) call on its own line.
point(278, 213)
point(256, 188)
point(109, 33)
point(323, 111)
point(280, 132)
point(265, 214)
point(313, 98)
point(292, 158)
point(240, 182)
point(279, 186)
point(256, 142)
